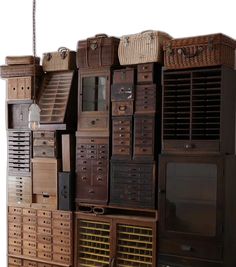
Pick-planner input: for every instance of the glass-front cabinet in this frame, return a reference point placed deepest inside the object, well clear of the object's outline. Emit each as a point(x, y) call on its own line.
point(94, 101)
point(191, 192)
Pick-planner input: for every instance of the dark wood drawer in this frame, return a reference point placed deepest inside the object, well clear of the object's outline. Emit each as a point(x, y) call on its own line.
point(145, 77)
point(191, 248)
point(93, 123)
point(92, 194)
point(121, 92)
point(122, 129)
point(147, 67)
point(124, 76)
point(122, 108)
point(191, 147)
point(121, 150)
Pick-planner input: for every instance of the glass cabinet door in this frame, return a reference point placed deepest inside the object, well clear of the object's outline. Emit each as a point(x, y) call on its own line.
point(94, 93)
point(191, 198)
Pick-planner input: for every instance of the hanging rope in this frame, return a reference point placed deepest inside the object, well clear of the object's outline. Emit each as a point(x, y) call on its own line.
point(34, 48)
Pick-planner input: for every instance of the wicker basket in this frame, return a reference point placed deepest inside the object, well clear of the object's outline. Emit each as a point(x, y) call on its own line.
point(142, 47)
point(199, 51)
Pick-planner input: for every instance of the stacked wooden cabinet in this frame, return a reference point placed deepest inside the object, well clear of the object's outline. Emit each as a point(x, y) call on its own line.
point(197, 166)
point(40, 224)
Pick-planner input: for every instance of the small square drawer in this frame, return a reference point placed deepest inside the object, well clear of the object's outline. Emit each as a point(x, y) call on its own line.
point(121, 92)
point(124, 76)
point(14, 218)
point(62, 233)
point(15, 242)
point(44, 230)
point(61, 224)
point(30, 263)
point(147, 67)
point(122, 108)
point(62, 241)
point(15, 210)
point(29, 244)
point(60, 215)
point(29, 212)
point(44, 213)
point(62, 258)
point(29, 220)
point(62, 249)
point(45, 222)
point(44, 247)
point(145, 77)
point(29, 236)
point(45, 255)
point(29, 228)
point(14, 250)
point(14, 261)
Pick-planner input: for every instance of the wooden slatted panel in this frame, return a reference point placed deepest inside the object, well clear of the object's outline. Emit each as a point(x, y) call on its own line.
point(206, 97)
point(176, 105)
point(54, 97)
point(94, 243)
point(134, 246)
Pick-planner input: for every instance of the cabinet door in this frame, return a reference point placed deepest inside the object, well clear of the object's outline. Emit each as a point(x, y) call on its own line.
point(190, 196)
point(135, 243)
point(92, 241)
point(94, 94)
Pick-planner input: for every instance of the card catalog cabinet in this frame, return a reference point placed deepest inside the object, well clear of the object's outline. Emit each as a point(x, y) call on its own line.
point(199, 110)
point(114, 241)
point(94, 102)
point(132, 184)
point(196, 210)
point(19, 152)
point(92, 168)
point(41, 235)
point(57, 98)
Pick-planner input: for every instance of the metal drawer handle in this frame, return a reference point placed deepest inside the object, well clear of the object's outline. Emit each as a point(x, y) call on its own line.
point(186, 248)
point(44, 142)
point(93, 122)
point(84, 178)
point(145, 67)
point(122, 108)
point(91, 191)
point(145, 76)
point(189, 146)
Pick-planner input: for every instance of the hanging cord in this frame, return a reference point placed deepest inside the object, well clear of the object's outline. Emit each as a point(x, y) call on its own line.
point(34, 49)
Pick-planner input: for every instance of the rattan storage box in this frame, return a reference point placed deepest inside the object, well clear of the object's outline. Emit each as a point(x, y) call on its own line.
point(199, 51)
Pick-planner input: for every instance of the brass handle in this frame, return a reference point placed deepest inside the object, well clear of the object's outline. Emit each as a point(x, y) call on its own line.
point(122, 108)
point(91, 191)
point(189, 146)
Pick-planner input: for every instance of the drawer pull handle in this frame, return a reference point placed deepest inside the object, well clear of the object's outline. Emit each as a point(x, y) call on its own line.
point(145, 67)
point(122, 108)
point(145, 76)
point(91, 191)
point(99, 178)
point(92, 122)
point(186, 248)
point(121, 135)
point(44, 142)
point(84, 178)
point(189, 146)
point(121, 128)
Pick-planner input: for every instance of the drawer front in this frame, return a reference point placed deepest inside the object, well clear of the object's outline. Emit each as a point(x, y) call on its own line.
point(43, 142)
point(44, 135)
point(62, 241)
point(44, 239)
point(60, 215)
point(44, 152)
point(44, 247)
point(29, 220)
point(83, 178)
point(15, 227)
point(44, 230)
point(14, 234)
point(62, 250)
point(29, 228)
point(92, 193)
point(61, 224)
point(15, 242)
point(145, 77)
point(29, 236)
point(92, 141)
point(122, 92)
point(121, 150)
point(14, 218)
point(13, 250)
point(45, 265)
point(29, 245)
point(45, 255)
point(122, 108)
point(44, 213)
point(61, 258)
point(29, 212)
point(14, 210)
point(30, 263)
point(45, 222)
point(123, 76)
point(191, 248)
point(62, 233)
point(147, 67)
point(93, 123)
point(14, 261)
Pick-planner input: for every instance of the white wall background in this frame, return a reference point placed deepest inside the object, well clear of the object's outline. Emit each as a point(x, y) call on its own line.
point(64, 22)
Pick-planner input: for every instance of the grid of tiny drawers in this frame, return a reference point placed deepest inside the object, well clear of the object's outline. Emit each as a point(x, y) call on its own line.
point(82, 189)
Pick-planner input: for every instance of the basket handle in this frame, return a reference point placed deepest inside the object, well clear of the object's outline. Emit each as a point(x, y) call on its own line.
point(103, 35)
point(63, 52)
point(182, 51)
point(147, 31)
